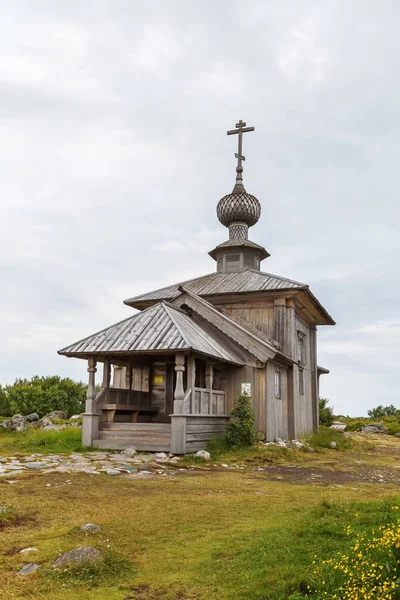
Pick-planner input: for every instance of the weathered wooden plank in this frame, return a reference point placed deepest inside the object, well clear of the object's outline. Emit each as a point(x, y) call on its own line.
point(194, 437)
point(207, 428)
point(206, 419)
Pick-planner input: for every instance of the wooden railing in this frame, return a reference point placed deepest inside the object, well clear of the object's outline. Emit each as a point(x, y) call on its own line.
point(131, 398)
point(205, 403)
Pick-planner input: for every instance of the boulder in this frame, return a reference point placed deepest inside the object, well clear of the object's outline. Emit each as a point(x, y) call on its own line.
point(28, 569)
point(90, 528)
point(131, 451)
point(7, 423)
point(374, 428)
point(161, 456)
point(32, 417)
point(397, 435)
point(297, 444)
point(338, 426)
point(279, 442)
point(57, 414)
point(78, 556)
point(75, 417)
point(17, 418)
point(52, 427)
point(19, 426)
point(44, 422)
point(203, 454)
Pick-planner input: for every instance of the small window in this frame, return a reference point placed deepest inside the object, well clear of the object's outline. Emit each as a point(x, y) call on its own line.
point(200, 378)
point(219, 377)
point(301, 346)
point(232, 259)
point(301, 382)
point(248, 261)
point(278, 384)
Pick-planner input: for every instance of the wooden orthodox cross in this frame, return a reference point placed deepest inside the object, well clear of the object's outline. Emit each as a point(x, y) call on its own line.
point(240, 129)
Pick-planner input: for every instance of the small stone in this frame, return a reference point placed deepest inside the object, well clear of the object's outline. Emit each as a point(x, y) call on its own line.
point(28, 550)
point(57, 414)
point(6, 423)
point(309, 449)
point(52, 427)
point(297, 444)
point(397, 435)
point(113, 472)
point(32, 417)
point(90, 527)
point(203, 454)
point(75, 417)
point(28, 569)
point(224, 465)
point(161, 455)
point(131, 451)
point(332, 445)
point(78, 555)
point(338, 426)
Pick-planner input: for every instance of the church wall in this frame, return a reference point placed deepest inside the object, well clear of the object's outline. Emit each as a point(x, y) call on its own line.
point(258, 314)
point(276, 424)
point(303, 403)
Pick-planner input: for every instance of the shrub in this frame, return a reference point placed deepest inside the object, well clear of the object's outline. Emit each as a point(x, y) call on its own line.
point(42, 395)
point(325, 413)
point(240, 431)
point(383, 411)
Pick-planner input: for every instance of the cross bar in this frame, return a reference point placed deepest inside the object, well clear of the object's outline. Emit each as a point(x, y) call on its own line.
point(240, 129)
point(243, 129)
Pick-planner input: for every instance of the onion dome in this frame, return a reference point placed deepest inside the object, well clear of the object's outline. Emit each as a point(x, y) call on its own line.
point(238, 210)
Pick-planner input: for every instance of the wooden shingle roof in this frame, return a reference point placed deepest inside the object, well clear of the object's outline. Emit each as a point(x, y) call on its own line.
point(160, 328)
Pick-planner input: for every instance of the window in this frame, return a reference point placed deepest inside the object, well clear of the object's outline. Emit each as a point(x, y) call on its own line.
point(248, 261)
point(278, 384)
point(200, 378)
point(301, 347)
point(219, 377)
point(301, 382)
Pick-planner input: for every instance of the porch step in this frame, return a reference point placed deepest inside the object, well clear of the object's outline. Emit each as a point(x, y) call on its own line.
point(141, 428)
point(116, 443)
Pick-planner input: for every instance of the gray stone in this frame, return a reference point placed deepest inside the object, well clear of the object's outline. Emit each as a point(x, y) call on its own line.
point(309, 449)
point(78, 556)
point(52, 427)
point(90, 528)
point(17, 418)
point(44, 422)
point(397, 435)
point(161, 456)
point(28, 550)
point(113, 472)
point(203, 454)
point(297, 444)
point(32, 417)
point(28, 569)
point(20, 426)
point(338, 426)
point(57, 414)
point(373, 429)
point(75, 417)
point(36, 465)
point(332, 445)
point(6, 423)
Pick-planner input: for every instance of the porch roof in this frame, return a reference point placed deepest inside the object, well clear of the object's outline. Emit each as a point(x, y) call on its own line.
point(160, 328)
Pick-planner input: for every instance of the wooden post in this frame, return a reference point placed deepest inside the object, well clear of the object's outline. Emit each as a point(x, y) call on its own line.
point(191, 378)
point(178, 419)
point(314, 382)
point(179, 390)
point(106, 373)
point(209, 383)
point(90, 418)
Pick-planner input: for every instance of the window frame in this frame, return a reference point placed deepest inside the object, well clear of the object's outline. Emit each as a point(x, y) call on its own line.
point(277, 384)
point(301, 382)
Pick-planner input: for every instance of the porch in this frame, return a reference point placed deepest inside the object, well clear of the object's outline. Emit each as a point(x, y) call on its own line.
point(156, 403)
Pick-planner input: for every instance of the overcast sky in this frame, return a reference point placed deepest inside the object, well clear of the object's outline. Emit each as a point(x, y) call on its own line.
point(114, 154)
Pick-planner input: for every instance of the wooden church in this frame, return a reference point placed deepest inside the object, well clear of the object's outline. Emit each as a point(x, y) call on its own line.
point(172, 371)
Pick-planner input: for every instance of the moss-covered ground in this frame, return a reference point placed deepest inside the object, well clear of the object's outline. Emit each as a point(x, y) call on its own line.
point(206, 533)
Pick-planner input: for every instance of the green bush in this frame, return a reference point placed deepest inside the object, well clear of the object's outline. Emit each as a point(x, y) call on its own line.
point(326, 417)
point(42, 395)
point(383, 411)
point(240, 431)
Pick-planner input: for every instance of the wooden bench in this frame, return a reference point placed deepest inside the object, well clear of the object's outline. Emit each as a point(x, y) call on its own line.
point(110, 410)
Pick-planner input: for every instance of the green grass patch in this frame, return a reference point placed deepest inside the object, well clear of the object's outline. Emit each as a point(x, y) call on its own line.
point(324, 437)
point(38, 440)
point(392, 423)
point(109, 571)
point(8, 516)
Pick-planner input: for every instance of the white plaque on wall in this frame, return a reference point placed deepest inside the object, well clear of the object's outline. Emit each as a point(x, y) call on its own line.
point(246, 389)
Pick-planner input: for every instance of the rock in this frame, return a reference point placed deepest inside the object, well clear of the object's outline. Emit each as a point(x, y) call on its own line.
point(397, 435)
point(57, 414)
point(6, 424)
point(113, 472)
point(20, 426)
point(90, 528)
point(338, 426)
point(17, 418)
point(75, 417)
point(52, 427)
point(28, 550)
point(32, 417)
point(309, 449)
point(131, 451)
point(332, 445)
point(78, 556)
point(28, 569)
point(203, 454)
point(297, 444)
point(279, 442)
point(44, 422)
point(374, 428)
point(161, 455)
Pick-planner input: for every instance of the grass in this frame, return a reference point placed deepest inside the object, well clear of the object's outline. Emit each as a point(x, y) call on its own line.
point(38, 440)
point(215, 534)
point(392, 423)
point(324, 438)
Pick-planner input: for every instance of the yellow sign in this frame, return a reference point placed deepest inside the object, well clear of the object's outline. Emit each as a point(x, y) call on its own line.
point(158, 379)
